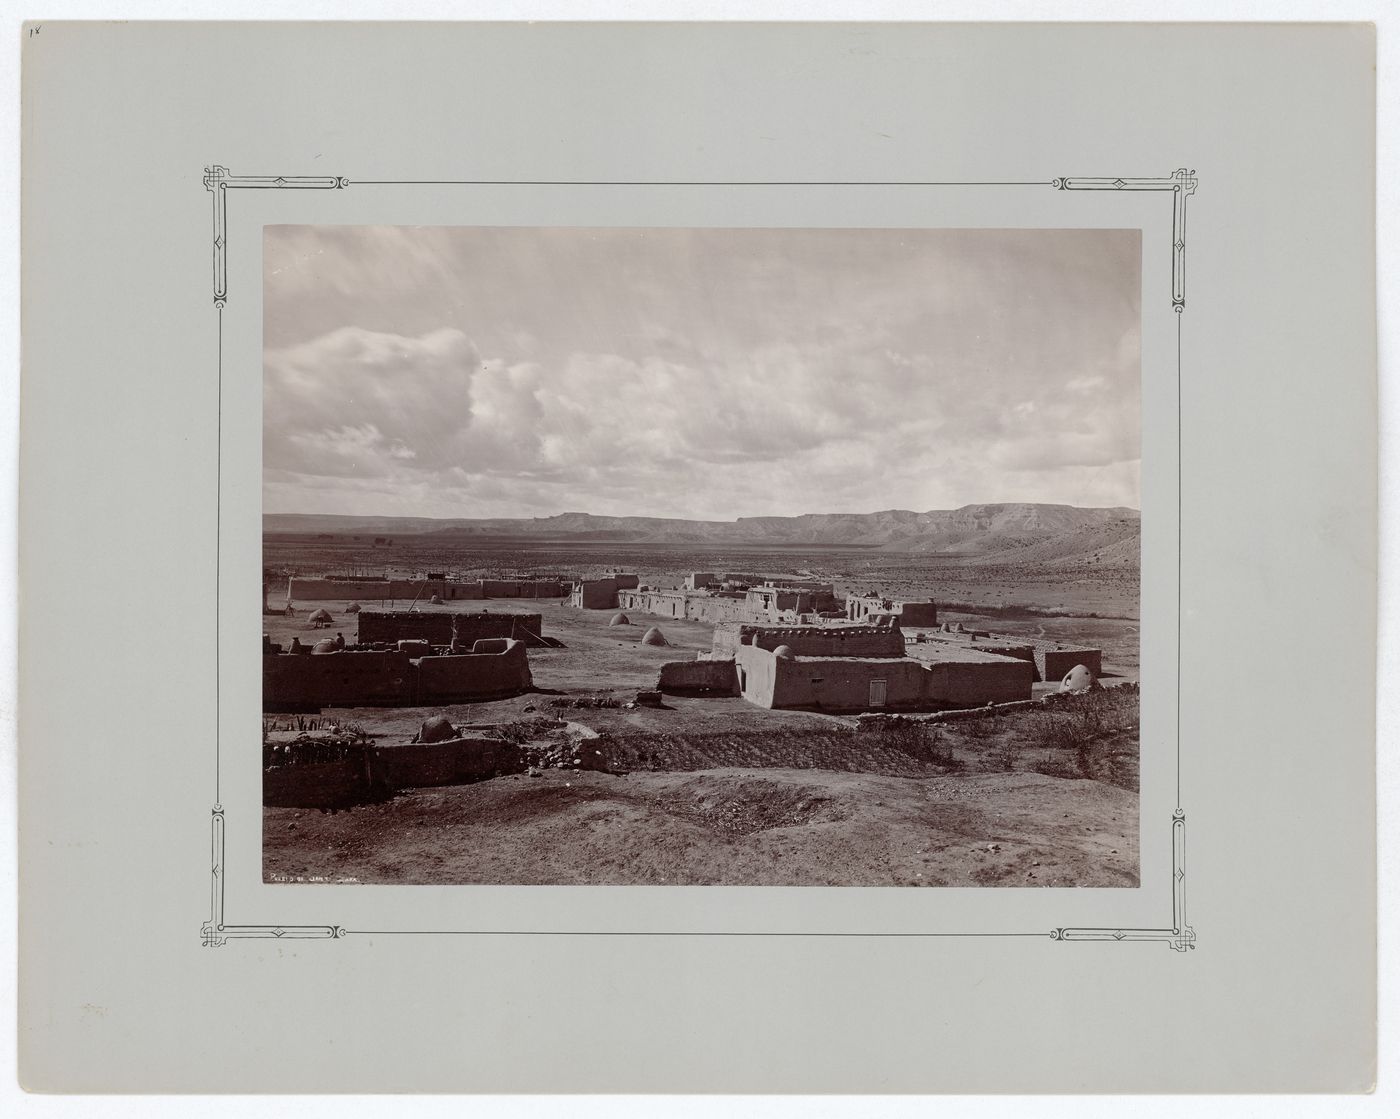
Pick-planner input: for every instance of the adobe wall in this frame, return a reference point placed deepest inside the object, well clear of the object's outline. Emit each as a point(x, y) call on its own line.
point(309, 681)
point(843, 641)
point(371, 678)
point(860, 606)
point(1055, 663)
point(664, 604)
point(715, 609)
point(839, 684)
point(448, 679)
point(711, 607)
point(699, 676)
point(424, 765)
point(435, 626)
point(376, 590)
point(318, 785)
point(980, 682)
point(917, 613)
point(322, 590)
point(353, 781)
point(811, 641)
point(843, 684)
point(998, 646)
point(1009, 649)
point(594, 594)
point(1051, 660)
point(726, 639)
point(522, 588)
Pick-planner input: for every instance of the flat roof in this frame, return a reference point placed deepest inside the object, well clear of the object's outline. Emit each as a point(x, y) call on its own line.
point(952, 655)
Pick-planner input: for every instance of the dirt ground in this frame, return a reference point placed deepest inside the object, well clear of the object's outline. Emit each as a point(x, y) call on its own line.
point(760, 827)
point(708, 792)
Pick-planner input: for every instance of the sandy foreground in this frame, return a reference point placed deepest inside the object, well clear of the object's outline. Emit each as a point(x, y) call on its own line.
point(768, 827)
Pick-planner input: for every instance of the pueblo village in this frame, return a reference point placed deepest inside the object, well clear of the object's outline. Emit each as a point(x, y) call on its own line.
point(797, 715)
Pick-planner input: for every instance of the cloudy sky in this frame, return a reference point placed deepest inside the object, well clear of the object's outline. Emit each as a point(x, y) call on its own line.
point(701, 373)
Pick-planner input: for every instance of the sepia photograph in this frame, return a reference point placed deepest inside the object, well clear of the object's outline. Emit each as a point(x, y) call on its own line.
point(701, 556)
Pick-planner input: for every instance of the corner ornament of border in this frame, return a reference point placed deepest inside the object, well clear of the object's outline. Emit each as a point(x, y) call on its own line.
point(1181, 937)
point(1182, 183)
point(219, 181)
point(214, 933)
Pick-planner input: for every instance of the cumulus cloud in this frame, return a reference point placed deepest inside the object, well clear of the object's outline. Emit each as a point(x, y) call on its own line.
point(759, 375)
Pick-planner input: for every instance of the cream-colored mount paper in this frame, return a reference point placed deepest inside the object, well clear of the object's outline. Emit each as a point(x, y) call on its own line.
point(1238, 953)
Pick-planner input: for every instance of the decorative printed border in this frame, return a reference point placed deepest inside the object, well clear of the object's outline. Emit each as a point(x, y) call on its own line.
point(215, 932)
point(1182, 184)
point(218, 182)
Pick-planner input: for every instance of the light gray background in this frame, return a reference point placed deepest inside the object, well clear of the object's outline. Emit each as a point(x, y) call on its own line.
point(1281, 806)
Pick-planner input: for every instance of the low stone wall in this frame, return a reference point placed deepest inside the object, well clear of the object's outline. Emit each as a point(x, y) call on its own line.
point(707, 676)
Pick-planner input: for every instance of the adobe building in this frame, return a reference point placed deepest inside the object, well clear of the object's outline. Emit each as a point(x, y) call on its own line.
point(862, 607)
point(706, 597)
point(409, 675)
point(601, 594)
point(594, 594)
point(774, 599)
point(847, 668)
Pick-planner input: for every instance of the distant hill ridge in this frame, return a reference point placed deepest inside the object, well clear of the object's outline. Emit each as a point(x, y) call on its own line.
point(1025, 532)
